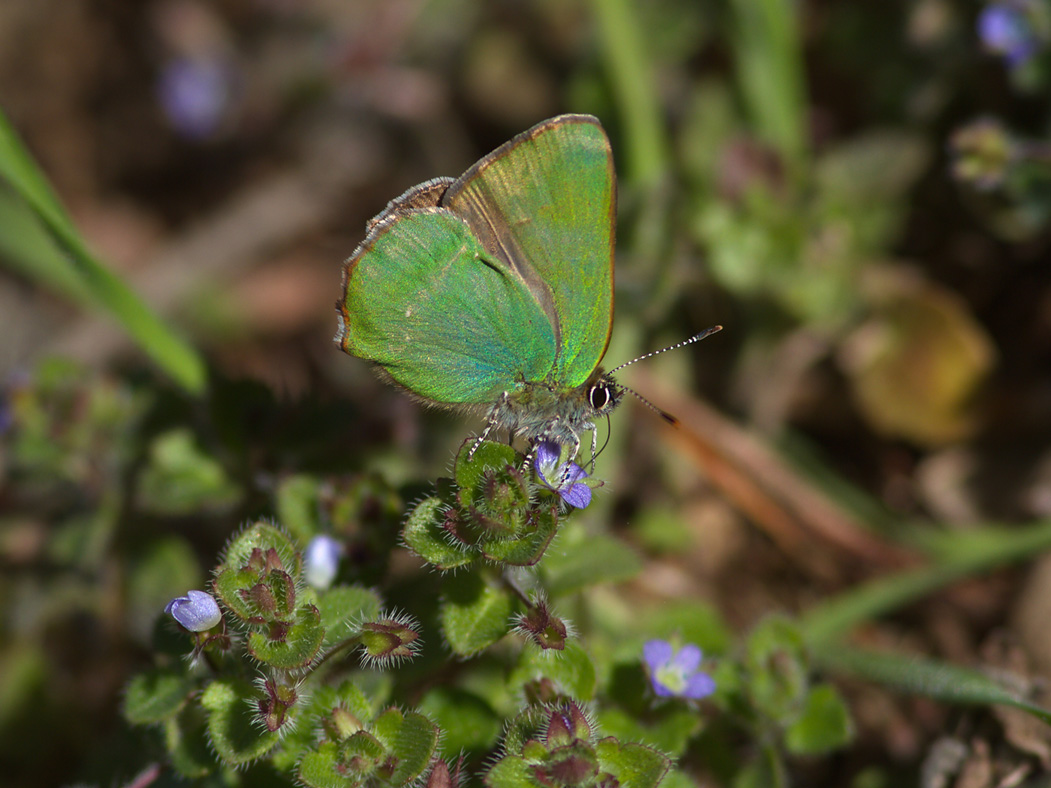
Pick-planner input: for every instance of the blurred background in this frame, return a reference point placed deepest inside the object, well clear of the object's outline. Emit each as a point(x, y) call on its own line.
point(859, 192)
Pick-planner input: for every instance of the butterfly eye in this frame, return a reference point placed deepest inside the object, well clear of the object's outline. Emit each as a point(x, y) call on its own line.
point(599, 396)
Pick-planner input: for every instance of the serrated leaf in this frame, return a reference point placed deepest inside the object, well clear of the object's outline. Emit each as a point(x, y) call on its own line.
point(320, 768)
point(581, 560)
point(319, 704)
point(824, 724)
point(411, 738)
point(510, 771)
point(469, 472)
point(571, 668)
point(264, 536)
point(424, 535)
point(634, 765)
point(155, 695)
point(233, 725)
point(186, 740)
point(526, 550)
point(301, 643)
point(522, 727)
point(343, 605)
point(473, 614)
point(229, 585)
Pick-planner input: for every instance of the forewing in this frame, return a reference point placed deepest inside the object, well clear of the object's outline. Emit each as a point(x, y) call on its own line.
point(422, 300)
point(545, 204)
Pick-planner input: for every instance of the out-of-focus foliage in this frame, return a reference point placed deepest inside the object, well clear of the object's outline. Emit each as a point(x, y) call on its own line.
point(860, 193)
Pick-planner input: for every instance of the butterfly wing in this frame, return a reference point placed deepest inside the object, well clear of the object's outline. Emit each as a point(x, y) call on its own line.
point(446, 320)
point(544, 203)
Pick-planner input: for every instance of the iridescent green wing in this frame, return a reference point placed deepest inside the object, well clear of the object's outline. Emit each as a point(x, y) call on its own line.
point(425, 301)
point(544, 203)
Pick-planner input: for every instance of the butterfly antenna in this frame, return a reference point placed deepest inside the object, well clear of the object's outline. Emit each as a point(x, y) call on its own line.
point(696, 338)
point(662, 413)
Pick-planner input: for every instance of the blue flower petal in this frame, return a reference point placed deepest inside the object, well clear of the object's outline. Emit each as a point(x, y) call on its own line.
point(579, 495)
point(699, 685)
point(657, 653)
point(547, 455)
point(688, 659)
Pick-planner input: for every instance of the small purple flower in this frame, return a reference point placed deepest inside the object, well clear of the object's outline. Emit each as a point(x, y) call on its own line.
point(197, 611)
point(565, 478)
point(195, 94)
point(1006, 28)
point(675, 674)
point(321, 561)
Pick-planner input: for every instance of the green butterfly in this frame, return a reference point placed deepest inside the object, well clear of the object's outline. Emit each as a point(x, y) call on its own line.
point(495, 289)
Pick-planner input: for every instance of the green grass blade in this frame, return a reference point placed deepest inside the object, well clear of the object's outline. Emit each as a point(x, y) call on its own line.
point(102, 287)
point(933, 679)
point(770, 74)
point(631, 76)
point(959, 555)
point(30, 250)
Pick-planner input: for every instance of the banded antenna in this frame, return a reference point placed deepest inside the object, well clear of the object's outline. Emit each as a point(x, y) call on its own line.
point(663, 413)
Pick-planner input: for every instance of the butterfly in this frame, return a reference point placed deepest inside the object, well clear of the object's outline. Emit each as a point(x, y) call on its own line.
point(494, 290)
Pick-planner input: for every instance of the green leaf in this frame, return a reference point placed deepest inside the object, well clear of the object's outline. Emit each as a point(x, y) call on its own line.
point(424, 535)
point(318, 708)
point(341, 606)
point(571, 669)
point(233, 726)
point(411, 738)
point(778, 669)
point(181, 479)
point(473, 614)
point(104, 288)
point(823, 726)
point(488, 455)
point(511, 771)
point(231, 585)
point(528, 549)
point(468, 723)
point(938, 680)
point(264, 536)
point(321, 768)
point(581, 560)
point(186, 740)
point(634, 765)
point(298, 646)
point(671, 732)
point(155, 696)
point(677, 779)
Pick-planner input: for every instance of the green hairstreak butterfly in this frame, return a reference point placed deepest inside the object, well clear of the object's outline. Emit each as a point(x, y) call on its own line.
point(495, 289)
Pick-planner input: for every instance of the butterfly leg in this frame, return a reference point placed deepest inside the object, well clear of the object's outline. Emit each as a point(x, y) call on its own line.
point(555, 433)
point(491, 423)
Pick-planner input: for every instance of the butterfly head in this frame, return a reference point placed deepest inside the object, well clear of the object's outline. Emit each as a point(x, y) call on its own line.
point(603, 393)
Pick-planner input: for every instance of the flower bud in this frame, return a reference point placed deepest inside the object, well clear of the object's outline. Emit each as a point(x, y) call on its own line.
point(197, 611)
